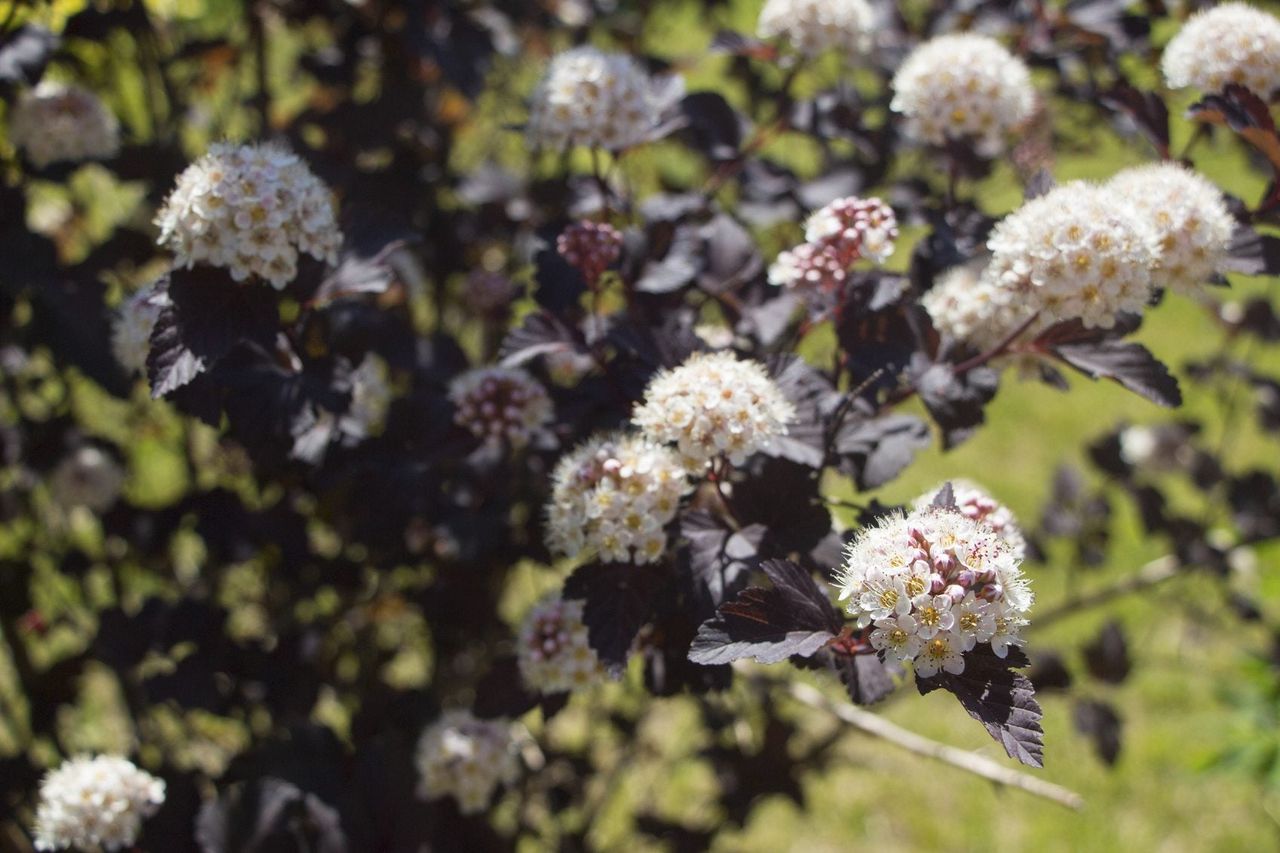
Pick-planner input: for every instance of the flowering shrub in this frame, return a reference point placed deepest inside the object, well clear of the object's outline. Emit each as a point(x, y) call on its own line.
point(398, 371)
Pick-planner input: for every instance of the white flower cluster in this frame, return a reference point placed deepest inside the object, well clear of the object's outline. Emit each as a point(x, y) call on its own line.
point(89, 477)
point(614, 495)
point(554, 655)
point(371, 394)
point(934, 584)
point(1190, 218)
point(976, 503)
point(813, 26)
point(714, 405)
point(589, 97)
point(466, 758)
point(131, 330)
point(95, 804)
point(1230, 43)
point(250, 209)
point(1078, 251)
point(837, 236)
point(497, 403)
point(963, 87)
point(56, 123)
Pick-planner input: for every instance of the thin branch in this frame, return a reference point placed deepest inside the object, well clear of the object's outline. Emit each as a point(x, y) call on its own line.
point(969, 762)
point(1152, 574)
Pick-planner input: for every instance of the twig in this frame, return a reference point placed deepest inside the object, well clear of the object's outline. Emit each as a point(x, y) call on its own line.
point(1153, 573)
point(970, 762)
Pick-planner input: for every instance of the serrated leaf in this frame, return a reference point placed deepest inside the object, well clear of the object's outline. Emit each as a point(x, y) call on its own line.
point(1131, 365)
point(719, 557)
point(617, 600)
point(782, 497)
point(874, 451)
point(203, 315)
point(794, 617)
point(539, 334)
point(999, 698)
point(957, 401)
point(813, 397)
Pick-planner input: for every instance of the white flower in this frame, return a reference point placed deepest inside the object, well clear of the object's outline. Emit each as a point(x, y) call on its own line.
point(251, 209)
point(500, 404)
point(131, 330)
point(95, 804)
point(1007, 625)
point(932, 614)
point(467, 758)
point(712, 405)
point(966, 305)
point(884, 594)
point(897, 636)
point(974, 502)
point(1190, 218)
point(836, 237)
point(963, 87)
point(940, 652)
point(554, 655)
point(56, 122)
point(975, 621)
point(589, 97)
point(371, 394)
point(89, 478)
point(1230, 43)
point(813, 26)
point(614, 495)
point(1077, 252)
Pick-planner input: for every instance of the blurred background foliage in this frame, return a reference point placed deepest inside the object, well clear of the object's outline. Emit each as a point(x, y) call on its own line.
point(1199, 768)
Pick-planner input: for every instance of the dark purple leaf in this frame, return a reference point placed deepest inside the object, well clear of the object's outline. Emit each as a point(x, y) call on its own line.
point(716, 127)
point(540, 334)
point(874, 451)
point(782, 497)
point(1099, 722)
point(793, 617)
point(1108, 655)
point(1131, 365)
point(618, 599)
point(719, 557)
point(1252, 253)
point(204, 314)
point(999, 698)
point(866, 678)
